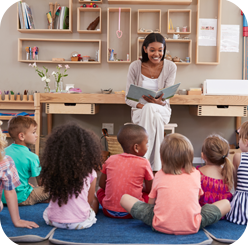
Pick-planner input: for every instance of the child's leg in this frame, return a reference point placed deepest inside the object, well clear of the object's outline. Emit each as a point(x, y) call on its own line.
point(212, 213)
point(36, 196)
point(95, 205)
point(1, 206)
point(139, 210)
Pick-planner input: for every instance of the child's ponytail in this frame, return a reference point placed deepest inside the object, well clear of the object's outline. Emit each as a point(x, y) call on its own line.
point(227, 172)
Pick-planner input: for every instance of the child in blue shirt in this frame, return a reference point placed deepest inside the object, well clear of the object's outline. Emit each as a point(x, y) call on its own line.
point(23, 131)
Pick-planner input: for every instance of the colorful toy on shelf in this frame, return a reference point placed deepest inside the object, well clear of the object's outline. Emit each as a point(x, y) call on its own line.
point(12, 95)
point(91, 5)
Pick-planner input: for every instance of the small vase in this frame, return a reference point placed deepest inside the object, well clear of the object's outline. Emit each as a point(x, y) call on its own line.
point(46, 88)
point(59, 86)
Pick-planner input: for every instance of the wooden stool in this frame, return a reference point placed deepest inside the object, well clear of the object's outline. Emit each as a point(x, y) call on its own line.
point(170, 126)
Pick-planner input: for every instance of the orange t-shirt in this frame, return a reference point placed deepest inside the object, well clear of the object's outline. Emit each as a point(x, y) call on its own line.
point(125, 175)
point(177, 209)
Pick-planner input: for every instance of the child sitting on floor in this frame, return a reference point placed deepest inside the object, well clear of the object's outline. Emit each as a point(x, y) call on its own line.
point(9, 180)
point(239, 204)
point(71, 157)
point(173, 206)
point(23, 131)
point(217, 174)
point(126, 172)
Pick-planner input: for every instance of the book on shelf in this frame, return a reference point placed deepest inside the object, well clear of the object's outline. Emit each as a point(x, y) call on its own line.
point(20, 13)
point(64, 18)
point(25, 16)
point(29, 17)
point(136, 92)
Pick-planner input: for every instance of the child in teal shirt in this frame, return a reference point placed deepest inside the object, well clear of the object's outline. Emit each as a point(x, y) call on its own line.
point(23, 131)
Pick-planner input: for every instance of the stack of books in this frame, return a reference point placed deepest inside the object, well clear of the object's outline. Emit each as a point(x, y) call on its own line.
point(25, 16)
point(61, 20)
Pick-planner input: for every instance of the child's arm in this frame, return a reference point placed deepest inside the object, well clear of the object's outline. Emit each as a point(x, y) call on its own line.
point(11, 200)
point(1, 206)
point(92, 200)
point(151, 200)
point(102, 181)
point(148, 186)
point(236, 162)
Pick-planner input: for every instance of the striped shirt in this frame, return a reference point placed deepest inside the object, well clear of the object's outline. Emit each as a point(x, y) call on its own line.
point(9, 178)
point(239, 204)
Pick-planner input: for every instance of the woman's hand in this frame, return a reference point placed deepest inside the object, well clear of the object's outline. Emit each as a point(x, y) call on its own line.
point(158, 100)
point(139, 106)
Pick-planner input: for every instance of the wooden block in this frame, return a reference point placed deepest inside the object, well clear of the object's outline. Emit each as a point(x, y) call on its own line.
point(194, 92)
point(58, 59)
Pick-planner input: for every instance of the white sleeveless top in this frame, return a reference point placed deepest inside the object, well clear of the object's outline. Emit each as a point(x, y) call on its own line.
point(148, 83)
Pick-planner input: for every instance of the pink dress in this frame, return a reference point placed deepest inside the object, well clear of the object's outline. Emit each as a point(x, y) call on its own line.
point(214, 190)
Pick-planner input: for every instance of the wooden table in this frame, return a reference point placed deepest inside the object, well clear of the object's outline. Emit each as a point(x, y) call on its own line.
point(95, 99)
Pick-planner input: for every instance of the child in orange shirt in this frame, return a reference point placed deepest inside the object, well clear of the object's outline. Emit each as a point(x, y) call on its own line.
point(173, 205)
point(125, 173)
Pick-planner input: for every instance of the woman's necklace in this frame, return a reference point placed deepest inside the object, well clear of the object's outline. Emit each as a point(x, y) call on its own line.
point(156, 71)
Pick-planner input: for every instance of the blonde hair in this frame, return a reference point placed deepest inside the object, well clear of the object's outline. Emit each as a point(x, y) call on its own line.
point(216, 149)
point(176, 153)
point(243, 133)
point(3, 144)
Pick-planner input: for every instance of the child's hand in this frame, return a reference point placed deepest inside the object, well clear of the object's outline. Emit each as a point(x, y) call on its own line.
point(26, 224)
point(31, 185)
point(1, 206)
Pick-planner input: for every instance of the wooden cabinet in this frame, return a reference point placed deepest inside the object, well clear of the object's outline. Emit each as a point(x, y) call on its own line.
point(119, 41)
point(149, 20)
point(179, 18)
point(40, 20)
point(60, 48)
point(87, 15)
point(155, 2)
point(181, 48)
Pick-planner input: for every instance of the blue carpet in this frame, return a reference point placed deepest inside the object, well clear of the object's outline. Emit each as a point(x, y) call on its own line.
point(114, 231)
point(31, 213)
point(225, 231)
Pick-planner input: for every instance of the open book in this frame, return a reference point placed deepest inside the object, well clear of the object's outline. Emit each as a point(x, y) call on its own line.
point(136, 92)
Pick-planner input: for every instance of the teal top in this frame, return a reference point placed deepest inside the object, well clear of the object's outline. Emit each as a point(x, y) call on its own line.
point(28, 165)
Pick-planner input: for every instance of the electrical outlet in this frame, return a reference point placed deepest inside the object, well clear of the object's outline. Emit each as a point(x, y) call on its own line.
point(109, 127)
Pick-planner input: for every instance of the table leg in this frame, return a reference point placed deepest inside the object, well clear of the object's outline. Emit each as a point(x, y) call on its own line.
point(49, 123)
point(238, 124)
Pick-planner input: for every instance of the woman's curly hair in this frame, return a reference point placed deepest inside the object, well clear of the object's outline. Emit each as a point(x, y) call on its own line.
point(70, 154)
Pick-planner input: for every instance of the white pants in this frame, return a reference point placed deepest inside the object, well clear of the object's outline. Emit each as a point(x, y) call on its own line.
point(153, 117)
point(72, 226)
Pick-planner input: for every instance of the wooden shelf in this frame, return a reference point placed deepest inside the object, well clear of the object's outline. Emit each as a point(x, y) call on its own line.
point(155, 2)
point(89, 20)
point(9, 117)
point(149, 19)
point(87, 2)
point(7, 135)
point(214, 50)
point(179, 18)
point(121, 46)
point(186, 41)
point(63, 51)
point(43, 30)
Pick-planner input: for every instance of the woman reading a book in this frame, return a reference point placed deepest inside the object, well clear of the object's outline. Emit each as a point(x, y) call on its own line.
point(154, 73)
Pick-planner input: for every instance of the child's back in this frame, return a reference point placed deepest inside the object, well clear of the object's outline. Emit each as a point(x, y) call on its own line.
point(125, 174)
point(239, 204)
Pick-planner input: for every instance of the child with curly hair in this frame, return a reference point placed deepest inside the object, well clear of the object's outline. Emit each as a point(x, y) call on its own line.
point(217, 174)
point(239, 203)
point(126, 172)
point(173, 206)
point(9, 180)
point(71, 157)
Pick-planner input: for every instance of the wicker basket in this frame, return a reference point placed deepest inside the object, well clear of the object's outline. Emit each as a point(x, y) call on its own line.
point(114, 146)
point(74, 58)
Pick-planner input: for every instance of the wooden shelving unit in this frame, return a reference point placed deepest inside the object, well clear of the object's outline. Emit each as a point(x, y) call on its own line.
point(43, 30)
point(155, 2)
point(216, 50)
point(62, 50)
point(87, 2)
point(168, 41)
point(121, 46)
point(149, 19)
point(173, 14)
point(94, 13)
